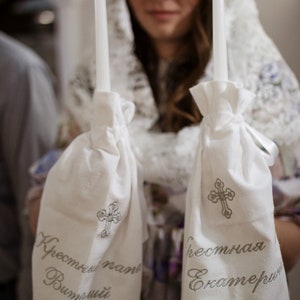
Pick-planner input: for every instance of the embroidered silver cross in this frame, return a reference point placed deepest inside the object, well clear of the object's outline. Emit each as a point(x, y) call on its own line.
point(222, 196)
point(112, 216)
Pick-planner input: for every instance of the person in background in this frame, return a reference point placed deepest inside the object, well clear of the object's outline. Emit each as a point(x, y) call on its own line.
point(158, 50)
point(28, 127)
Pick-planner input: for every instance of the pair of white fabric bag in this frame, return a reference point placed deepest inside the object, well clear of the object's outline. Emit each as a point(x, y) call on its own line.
point(92, 224)
point(91, 228)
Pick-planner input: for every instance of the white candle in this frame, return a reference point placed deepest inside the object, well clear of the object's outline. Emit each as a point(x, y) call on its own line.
point(219, 42)
point(102, 49)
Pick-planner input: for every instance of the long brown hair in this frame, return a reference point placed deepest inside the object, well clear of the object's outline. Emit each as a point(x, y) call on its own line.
point(185, 70)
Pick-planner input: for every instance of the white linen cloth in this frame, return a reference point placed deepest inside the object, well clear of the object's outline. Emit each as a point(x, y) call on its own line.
point(231, 249)
point(91, 226)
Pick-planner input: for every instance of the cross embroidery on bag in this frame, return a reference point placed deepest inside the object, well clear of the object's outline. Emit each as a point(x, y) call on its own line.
point(223, 196)
point(112, 216)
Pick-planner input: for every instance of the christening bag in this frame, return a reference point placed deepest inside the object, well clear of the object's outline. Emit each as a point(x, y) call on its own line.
point(91, 229)
point(231, 251)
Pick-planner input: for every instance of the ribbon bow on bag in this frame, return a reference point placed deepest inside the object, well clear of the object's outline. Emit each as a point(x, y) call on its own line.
point(91, 229)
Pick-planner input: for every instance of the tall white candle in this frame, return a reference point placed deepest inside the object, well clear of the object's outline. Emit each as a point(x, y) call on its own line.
point(102, 48)
point(219, 42)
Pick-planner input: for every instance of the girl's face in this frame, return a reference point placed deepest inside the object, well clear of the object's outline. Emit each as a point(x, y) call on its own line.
point(164, 20)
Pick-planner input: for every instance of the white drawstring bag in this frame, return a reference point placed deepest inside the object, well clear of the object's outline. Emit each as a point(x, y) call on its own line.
point(91, 226)
point(231, 251)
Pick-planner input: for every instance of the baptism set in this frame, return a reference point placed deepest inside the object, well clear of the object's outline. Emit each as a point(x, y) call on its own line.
point(92, 221)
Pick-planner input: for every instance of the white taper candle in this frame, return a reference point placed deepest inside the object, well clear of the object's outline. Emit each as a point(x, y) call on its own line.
point(102, 48)
point(219, 42)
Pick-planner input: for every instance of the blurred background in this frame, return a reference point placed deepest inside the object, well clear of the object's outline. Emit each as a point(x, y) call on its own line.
point(59, 30)
point(32, 22)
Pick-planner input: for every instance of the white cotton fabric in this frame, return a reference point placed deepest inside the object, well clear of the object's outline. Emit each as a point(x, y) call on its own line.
point(231, 251)
point(253, 60)
point(91, 224)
